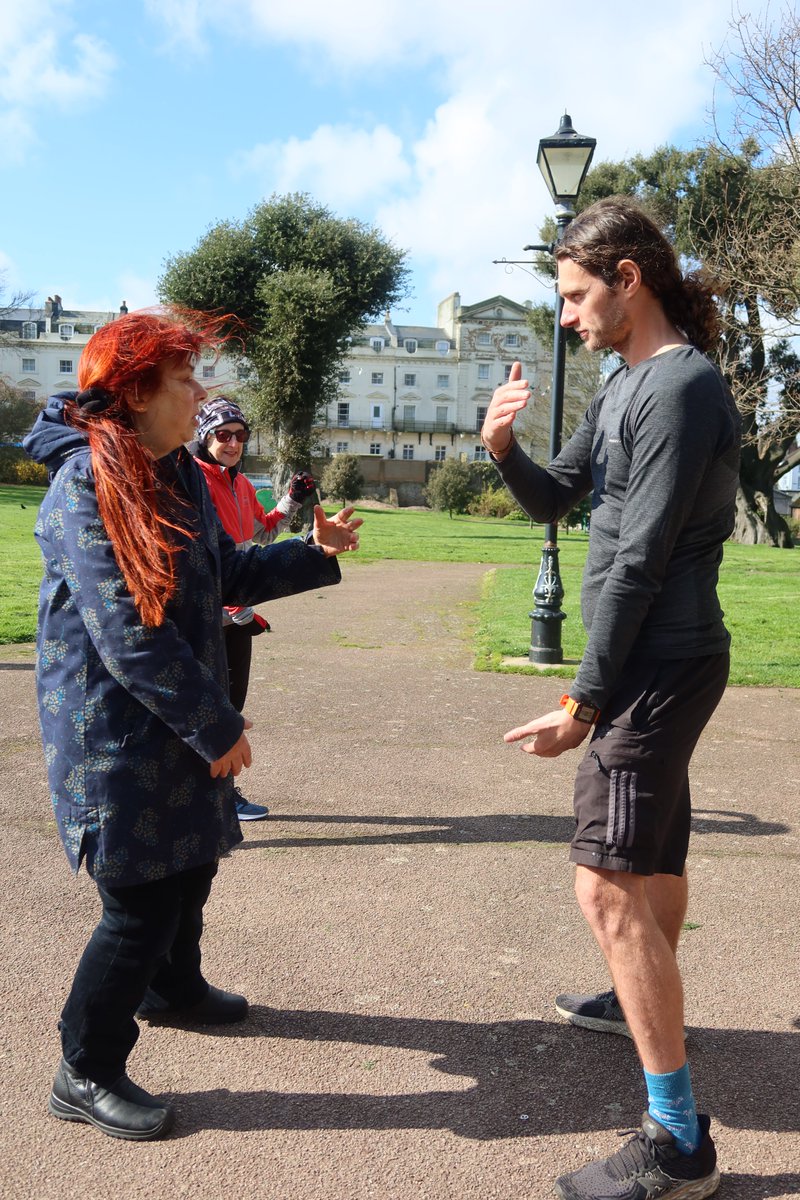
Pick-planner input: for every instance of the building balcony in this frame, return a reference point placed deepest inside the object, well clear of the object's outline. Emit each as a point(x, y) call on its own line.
point(399, 424)
point(412, 425)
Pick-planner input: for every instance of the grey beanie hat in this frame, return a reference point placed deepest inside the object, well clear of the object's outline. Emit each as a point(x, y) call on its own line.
point(216, 412)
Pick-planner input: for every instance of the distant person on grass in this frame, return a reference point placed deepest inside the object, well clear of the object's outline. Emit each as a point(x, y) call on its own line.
point(658, 450)
point(222, 432)
point(141, 741)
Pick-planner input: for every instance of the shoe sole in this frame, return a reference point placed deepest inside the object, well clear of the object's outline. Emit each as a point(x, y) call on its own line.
point(249, 817)
point(690, 1189)
point(68, 1112)
point(597, 1024)
point(174, 1020)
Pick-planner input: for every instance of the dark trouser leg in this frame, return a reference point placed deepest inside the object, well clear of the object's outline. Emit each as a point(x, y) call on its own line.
point(239, 649)
point(178, 978)
point(138, 928)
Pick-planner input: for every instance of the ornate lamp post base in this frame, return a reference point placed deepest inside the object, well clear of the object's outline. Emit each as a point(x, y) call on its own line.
point(547, 616)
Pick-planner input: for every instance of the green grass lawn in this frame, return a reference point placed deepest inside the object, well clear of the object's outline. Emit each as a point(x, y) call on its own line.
point(758, 591)
point(759, 586)
point(20, 562)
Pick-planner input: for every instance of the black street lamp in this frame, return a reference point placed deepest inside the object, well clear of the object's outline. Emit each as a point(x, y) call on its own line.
point(563, 160)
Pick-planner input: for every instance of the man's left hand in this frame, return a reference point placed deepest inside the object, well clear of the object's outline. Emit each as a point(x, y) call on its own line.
point(336, 534)
point(552, 734)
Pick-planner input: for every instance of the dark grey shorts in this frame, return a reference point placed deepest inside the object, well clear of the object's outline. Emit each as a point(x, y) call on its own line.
point(632, 803)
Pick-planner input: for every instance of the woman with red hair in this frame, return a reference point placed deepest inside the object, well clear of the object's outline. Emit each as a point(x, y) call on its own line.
point(141, 741)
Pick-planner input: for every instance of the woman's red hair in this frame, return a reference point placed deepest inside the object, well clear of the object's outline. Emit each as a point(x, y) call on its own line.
point(126, 358)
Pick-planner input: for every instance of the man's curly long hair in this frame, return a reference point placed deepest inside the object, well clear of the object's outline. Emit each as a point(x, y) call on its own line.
point(122, 361)
point(618, 227)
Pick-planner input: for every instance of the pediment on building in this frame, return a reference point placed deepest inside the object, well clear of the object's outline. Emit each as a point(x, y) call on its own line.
point(496, 308)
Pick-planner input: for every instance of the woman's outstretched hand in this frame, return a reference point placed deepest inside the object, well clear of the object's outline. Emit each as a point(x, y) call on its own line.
point(336, 534)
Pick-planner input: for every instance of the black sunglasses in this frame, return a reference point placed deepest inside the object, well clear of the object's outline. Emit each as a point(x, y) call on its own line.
point(225, 435)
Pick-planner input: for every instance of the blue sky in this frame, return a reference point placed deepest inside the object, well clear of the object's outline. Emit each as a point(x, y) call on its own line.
point(128, 128)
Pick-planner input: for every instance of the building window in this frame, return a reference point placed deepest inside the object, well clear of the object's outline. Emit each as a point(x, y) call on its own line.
point(409, 415)
point(507, 371)
point(484, 339)
point(374, 447)
point(65, 366)
point(410, 345)
point(443, 381)
point(409, 381)
point(377, 344)
point(343, 414)
point(29, 365)
point(441, 415)
point(30, 330)
point(483, 370)
point(344, 377)
point(408, 453)
point(481, 416)
point(512, 339)
point(439, 453)
point(208, 372)
point(341, 447)
point(65, 332)
point(480, 454)
point(377, 377)
point(28, 395)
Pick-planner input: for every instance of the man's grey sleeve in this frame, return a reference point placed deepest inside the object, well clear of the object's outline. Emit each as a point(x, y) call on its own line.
point(546, 494)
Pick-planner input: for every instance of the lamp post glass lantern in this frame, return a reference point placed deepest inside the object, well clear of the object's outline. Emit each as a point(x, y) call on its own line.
point(563, 160)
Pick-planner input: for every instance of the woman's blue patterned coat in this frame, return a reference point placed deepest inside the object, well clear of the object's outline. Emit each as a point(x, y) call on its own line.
point(132, 715)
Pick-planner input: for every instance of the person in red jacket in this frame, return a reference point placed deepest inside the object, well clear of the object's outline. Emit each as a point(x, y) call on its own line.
point(222, 432)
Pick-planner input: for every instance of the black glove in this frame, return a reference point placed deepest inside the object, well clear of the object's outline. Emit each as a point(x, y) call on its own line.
point(301, 486)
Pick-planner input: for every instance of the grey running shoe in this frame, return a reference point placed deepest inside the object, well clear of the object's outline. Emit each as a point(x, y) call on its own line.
point(601, 1012)
point(648, 1166)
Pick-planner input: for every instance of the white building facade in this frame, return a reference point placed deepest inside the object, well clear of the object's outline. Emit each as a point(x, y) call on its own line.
point(414, 392)
point(40, 347)
point(406, 392)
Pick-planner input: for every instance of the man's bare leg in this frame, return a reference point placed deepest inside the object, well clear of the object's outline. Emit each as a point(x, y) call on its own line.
point(640, 957)
point(668, 897)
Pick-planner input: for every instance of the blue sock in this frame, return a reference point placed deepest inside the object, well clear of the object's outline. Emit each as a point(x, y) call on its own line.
point(671, 1103)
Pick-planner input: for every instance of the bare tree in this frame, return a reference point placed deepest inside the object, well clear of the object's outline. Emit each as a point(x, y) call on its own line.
point(8, 307)
point(758, 65)
point(582, 378)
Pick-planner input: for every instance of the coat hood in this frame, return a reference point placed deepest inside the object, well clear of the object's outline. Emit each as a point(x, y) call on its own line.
point(51, 441)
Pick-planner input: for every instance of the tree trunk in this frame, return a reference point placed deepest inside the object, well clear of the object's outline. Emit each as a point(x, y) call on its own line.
point(757, 522)
point(292, 453)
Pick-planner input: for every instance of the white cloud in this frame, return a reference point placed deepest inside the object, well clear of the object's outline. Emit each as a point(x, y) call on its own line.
point(16, 136)
point(353, 33)
point(184, 21)
point(136, 291)
point(338, 165)
point(44, 62)
point(465, 189)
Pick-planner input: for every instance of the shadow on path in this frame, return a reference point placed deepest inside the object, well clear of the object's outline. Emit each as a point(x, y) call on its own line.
point(516, 1079)
point(494, 828)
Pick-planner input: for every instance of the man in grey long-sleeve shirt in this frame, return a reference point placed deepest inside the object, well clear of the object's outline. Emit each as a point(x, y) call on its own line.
point(658, 449)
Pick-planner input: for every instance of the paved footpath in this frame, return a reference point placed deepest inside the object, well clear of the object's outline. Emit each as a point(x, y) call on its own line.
point(401, 926)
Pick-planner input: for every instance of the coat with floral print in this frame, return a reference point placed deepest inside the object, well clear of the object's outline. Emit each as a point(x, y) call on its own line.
point(133, 715)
